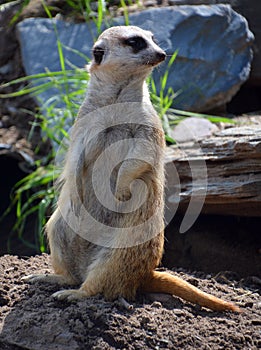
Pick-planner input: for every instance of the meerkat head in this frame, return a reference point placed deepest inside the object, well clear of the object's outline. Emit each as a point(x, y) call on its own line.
point(125, 50)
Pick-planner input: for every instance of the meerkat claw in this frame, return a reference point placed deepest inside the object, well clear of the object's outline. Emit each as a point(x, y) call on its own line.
point(33, 278)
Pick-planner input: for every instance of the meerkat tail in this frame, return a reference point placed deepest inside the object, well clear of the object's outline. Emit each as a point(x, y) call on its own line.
point(163, 282)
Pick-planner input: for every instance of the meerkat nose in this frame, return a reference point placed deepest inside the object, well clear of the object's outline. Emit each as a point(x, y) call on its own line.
point(161, 56)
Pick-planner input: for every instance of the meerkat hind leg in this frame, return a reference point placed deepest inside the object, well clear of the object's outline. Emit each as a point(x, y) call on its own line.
point(85, 291)
point(92, 286)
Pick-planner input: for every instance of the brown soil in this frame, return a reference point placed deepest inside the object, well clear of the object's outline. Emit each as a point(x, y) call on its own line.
point(31, 319)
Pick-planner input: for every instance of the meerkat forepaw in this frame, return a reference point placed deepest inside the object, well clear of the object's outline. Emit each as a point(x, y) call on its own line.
point(69, 295)
point(123, 194)
point(34, 278)
point(47, 278)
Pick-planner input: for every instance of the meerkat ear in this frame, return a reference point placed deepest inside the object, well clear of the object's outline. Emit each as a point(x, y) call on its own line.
point(98, 53)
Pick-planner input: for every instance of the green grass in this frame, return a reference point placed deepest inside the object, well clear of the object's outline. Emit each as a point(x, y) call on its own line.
point(35, 194)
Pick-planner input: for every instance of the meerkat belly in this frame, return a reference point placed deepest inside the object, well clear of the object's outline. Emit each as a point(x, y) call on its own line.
point(97, 181)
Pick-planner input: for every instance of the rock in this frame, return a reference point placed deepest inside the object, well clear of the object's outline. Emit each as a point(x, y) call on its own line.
point(150, 3)
point(199, 2)
point(209, 69)
point(35, 8)
point(7, 68)
point(252, 14)
point(225, 168)
point(7, 41)
point(39, 47)
point(191, 129)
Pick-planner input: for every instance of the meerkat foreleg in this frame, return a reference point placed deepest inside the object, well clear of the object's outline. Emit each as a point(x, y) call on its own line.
point(129, 171)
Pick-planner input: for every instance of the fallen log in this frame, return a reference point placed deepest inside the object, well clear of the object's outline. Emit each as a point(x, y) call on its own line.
point(223, 172)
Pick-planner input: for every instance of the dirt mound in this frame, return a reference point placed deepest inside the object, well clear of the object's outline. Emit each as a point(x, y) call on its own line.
point(31, 319)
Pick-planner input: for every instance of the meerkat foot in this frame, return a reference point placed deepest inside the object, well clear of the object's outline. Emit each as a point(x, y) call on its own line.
point(70, 294)
point(47, 278)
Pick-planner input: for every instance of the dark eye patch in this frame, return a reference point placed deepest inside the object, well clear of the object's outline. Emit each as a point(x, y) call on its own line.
point(98, 53)
point(137, 43)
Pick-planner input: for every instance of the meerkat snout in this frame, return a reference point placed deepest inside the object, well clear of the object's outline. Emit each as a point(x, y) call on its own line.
point(159, 57)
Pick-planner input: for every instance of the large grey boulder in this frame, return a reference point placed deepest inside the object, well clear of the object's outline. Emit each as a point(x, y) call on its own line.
point(213, 43)
point(251, 10)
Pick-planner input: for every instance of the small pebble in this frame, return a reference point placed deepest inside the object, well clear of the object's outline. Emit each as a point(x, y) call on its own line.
point(256, 322)
point(157, 304)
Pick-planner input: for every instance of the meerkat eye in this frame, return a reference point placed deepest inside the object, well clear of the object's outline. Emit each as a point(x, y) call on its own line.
point(98, 53)
point(137, 43)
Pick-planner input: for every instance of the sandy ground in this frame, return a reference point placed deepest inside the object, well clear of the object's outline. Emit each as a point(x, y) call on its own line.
point(31, 319)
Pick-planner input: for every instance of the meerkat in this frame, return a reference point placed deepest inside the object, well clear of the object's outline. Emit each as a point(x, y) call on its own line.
point(114, 248)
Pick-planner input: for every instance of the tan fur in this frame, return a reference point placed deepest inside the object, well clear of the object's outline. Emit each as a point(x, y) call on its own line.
point(115, 268)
